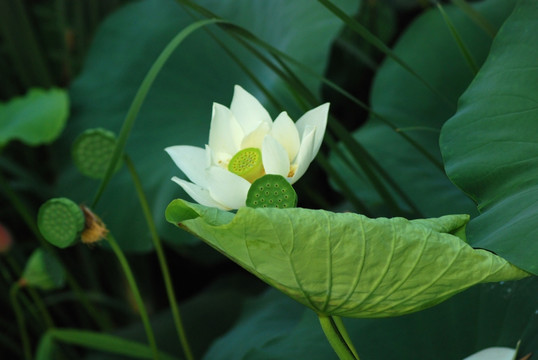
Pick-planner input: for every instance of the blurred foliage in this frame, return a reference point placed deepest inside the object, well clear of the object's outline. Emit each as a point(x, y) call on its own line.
point(100, 51)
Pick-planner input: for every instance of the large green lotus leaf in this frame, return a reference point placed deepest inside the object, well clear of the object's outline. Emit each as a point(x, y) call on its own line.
point(495, 314)
point(346, 264)
point(428, 47)
point(491, 145)
point(177, 110)
point(35, 118)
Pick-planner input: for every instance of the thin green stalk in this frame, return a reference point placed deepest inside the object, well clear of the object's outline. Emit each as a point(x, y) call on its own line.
point(376, 42)
point(336, 339)
point(102, 321)
point(477, 18)
point(20, 322)
point(162, 259)
point(357, 152)
point(136, 293)
point(49, 323)
point(342, 183)
point(24, 299)
point(140, 97)
point(461, 45)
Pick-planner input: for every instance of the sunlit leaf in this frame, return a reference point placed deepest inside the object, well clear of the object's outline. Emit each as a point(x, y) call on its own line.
point(36, 118)
point(491, 145)
point(346, 264)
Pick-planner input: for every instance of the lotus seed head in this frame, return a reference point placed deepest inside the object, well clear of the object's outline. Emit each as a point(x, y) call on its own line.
point(248, 164)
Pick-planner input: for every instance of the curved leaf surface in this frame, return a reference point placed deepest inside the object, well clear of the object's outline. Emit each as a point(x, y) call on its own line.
point(429, 48)
point(490, 146)
point(177, 110)
point(35, 118)
point(346, 264)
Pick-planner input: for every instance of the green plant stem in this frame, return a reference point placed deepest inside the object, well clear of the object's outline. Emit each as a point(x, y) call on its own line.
point(162, 259)
point(140, 97)
point(23, 298)
point(20, 321)
point(336, 339)
point(33, 294)
point(459, 41)
point(477, 18)
point(136, 293)
point(343, 331)
point(377, 43)
point(102, 321)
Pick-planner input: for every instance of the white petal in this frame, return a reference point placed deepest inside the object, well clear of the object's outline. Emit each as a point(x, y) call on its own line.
point(494, 353)
point(225, 133)
point(285, 132)
point(255, 138)
point(192, 161)
point(305, 155)
point(209, 156)
point(247, 110)
point(198, 193)
point(275, 158)
point(227, 188)
point(317, 118)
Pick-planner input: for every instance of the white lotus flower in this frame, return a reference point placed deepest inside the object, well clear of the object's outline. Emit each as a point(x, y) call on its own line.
point(245, 144)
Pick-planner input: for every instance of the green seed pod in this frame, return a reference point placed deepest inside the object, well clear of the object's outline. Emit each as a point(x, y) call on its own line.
point(60, 221)
point(92, 151)
point(271, 191)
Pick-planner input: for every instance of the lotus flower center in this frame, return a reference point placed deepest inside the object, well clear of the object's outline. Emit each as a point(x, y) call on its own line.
point(248, 164)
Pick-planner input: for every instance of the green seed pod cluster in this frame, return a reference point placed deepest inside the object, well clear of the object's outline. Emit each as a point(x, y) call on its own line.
point(60, 221)
point(271, 191)
point(92, 151)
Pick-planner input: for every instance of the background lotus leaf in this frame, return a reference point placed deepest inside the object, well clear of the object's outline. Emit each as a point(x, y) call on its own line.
point(35, 118)
point(490, 146)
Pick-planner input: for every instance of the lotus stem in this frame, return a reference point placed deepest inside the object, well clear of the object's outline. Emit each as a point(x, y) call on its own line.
point(339, 342)
point(136, 293)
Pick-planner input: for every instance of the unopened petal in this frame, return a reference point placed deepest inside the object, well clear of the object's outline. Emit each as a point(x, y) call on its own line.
point(285, 132)
point(275, 158)
point(198, 194)
point(228, 189)
point(225, 133)
point(191, 160)
point(248, 110)
point(255, 138)
point(305, 155)
point(315, 118)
